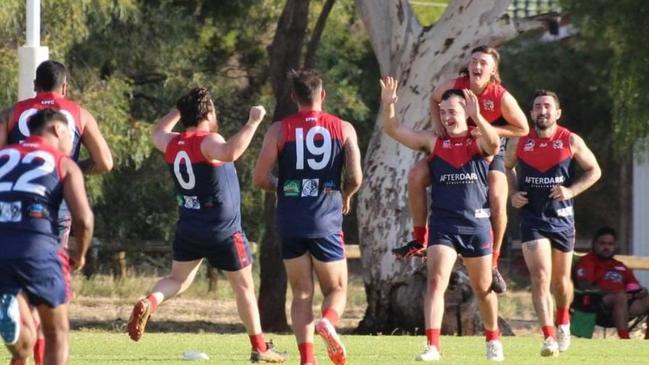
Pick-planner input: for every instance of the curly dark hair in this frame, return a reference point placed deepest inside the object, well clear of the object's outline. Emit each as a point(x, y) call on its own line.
point(194, 106)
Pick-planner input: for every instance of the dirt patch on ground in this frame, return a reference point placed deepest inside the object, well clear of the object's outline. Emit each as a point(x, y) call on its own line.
point(176, 315)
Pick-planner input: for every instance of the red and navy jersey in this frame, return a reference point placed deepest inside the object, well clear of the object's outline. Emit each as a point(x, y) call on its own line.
point(489, 100)
point(607, 274)
point(543, 164)
point(18, 130)
point(309, 201)
point(31, 190)
point(207, 192)
point(458, 173)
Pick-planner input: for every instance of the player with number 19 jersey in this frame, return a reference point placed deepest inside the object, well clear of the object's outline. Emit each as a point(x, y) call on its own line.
point(208, 198)
point(309, 201)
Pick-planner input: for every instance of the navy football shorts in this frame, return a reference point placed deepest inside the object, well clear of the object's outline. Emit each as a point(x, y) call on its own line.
point(40, 278)
point(229, 254)
point(563, 241)
point(468, 245)
point(498, 162)
point(325, 249)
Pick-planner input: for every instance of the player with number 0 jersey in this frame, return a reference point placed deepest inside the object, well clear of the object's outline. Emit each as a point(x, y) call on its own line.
point(312, 149)
point(201, 163)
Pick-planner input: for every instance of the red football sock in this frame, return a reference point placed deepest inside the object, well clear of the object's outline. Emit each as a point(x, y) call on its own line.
point(420, 234)
point(563, 316)
point(494, 258)
point(492, 335)
point(331, 315)
point(153, 301)
point(432, 337)
point(306, 353)
point(548, 331)
point(18, 362)
point(646, 334)
point(623, 334)
point(39, 351)
point(258, 343)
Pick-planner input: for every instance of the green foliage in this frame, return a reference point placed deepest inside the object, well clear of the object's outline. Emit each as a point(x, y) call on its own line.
point(129, 61)
point(619, 28)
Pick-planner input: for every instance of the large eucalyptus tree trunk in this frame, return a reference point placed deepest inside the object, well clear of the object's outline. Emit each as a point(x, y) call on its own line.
point(419, 57)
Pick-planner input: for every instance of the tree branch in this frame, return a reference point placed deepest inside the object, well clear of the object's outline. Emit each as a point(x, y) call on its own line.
point(314, 42)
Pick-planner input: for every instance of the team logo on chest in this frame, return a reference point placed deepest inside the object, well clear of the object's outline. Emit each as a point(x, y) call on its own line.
point(557, 145)
point(446, 144)
point(488, 105)
point(529, 145)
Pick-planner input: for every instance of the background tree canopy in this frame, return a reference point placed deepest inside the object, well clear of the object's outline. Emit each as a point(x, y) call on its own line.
point(130, 60)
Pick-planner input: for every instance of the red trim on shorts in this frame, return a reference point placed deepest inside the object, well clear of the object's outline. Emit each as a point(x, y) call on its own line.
point(64, 259)
point(240, 247)
point(342, 241)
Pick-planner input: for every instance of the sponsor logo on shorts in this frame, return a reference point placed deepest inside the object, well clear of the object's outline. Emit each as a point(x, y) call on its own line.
point(11, 212)
point(291, 188)
point(482, 213)
point(310, 187)
point(329, 186)
point(565, 212)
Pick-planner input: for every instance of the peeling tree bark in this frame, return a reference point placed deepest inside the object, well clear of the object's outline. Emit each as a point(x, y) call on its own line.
point(419, 57)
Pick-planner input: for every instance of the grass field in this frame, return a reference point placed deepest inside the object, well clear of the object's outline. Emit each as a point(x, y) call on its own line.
point(90, 347)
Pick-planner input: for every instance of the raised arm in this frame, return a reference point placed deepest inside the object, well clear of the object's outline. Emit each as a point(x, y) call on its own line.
point(161, 134)
point(83, 220)
point(518, 198)
point(101, 159)
point(416, 140)
point(488, 141)
point(353, 174)
point(215, 148)
point(263, 172)
point(517, 125)
point(587, 161)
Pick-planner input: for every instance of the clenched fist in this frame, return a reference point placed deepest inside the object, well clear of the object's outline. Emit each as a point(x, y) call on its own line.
point(257, 114)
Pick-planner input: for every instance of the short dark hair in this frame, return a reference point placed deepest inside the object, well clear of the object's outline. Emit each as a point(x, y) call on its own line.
point(453, 92)
point(39, 122)
point(50, 75)
point(304, 85)
point(194, 106)
point(604, 231)
point(542, 92)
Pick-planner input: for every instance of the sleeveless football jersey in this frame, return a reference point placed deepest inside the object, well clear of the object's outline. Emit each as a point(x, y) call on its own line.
point(543, 164)
point(18, 130)
point(489, 100)
point(207, 192)
point(458, 173)
point(309, 201)
point(31, 190)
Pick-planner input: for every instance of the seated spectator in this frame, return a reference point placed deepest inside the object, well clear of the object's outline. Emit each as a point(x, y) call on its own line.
point(622, 297)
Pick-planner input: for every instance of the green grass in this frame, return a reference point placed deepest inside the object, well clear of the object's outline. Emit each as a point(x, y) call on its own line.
point(158, 348)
